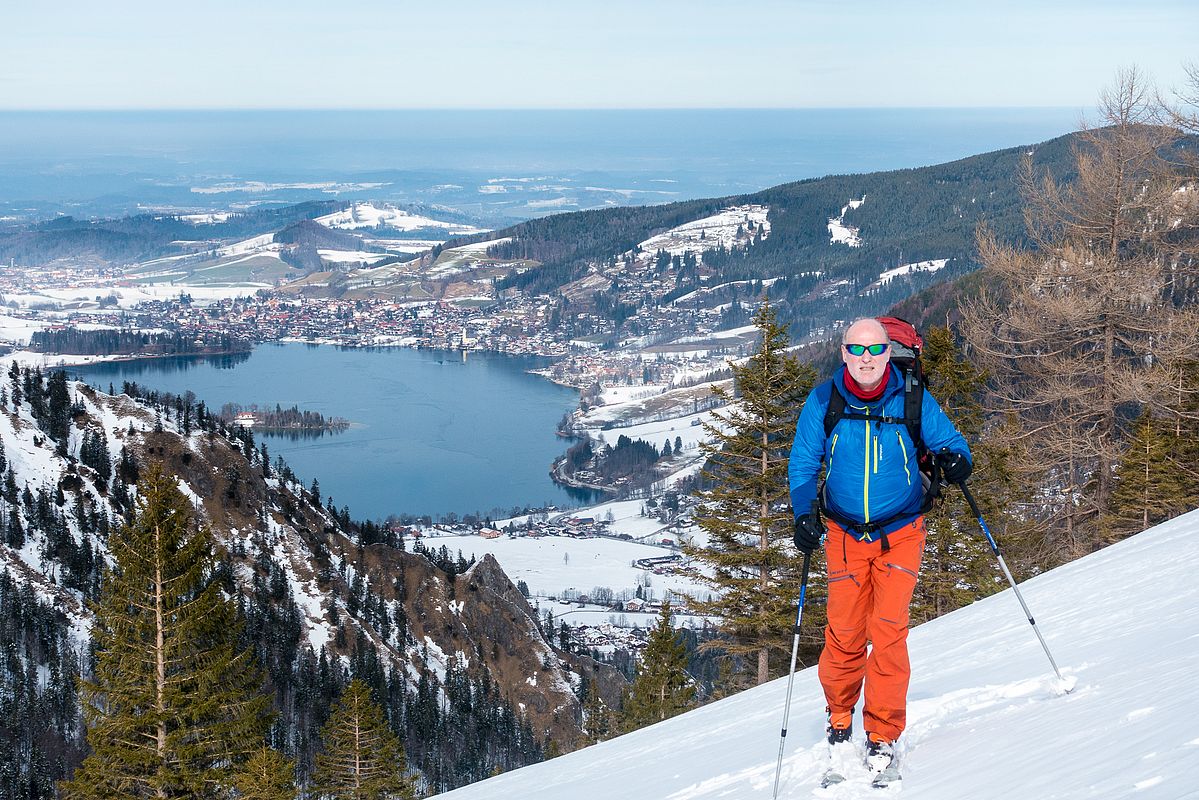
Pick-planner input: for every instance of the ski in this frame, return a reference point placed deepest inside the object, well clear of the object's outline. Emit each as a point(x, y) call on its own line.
point(842, 758)
point(831, 777)
point(887, 777)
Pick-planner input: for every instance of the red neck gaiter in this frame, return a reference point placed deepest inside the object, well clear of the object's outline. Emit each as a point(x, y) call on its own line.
point(860, 393)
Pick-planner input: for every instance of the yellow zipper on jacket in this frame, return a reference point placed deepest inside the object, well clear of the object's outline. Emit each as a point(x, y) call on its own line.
point(866, 472)
point(904, 448)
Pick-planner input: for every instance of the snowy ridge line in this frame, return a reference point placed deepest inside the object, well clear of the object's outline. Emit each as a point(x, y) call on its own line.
point(1121, 621)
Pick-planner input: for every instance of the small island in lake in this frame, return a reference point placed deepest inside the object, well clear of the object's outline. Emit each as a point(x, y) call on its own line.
point(282, 421)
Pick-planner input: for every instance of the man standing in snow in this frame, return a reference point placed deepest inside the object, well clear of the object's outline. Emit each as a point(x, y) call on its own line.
point(872, 527)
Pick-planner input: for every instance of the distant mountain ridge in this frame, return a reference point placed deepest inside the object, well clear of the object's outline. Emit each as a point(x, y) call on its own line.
point(902, 217)
point(834, 247)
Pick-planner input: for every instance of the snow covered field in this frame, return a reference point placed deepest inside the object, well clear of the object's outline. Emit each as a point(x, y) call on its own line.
point(907, 269)
point(557, 566)
point(986, 716)
point(708, 232)
point(369, 215)
point(456, 260)
point(350, 256)
point(127, 296)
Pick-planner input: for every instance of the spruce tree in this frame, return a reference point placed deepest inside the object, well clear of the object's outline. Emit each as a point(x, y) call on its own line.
point(662, 687)
point(1151, 484)
point(1182, 418)
point(598, 718)
point(174, 704)
point(266, 775)
point(58, 409)
point(362, 758)
point(749, 561)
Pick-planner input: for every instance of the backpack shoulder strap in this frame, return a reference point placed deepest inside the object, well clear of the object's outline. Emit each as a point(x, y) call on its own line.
point(913, 407)
point(835, 410)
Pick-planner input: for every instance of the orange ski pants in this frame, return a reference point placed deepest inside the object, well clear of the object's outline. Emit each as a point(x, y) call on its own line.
point(869, 592)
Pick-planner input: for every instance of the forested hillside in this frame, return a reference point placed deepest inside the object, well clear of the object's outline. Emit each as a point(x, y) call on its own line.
point(905, 217)
point(445, 646)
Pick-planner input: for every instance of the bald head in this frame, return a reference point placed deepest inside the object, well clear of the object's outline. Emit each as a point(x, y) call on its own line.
point(868, 326)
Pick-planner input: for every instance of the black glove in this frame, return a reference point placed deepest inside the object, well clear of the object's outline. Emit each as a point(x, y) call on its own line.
point(808, 532)
point(955, 467)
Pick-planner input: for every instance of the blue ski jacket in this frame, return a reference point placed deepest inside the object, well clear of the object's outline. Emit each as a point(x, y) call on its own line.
point(872, 471)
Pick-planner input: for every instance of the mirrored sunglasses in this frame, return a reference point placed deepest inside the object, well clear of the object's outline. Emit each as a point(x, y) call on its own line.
point(873, 349)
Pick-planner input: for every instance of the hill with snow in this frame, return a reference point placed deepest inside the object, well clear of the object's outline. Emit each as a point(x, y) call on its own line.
point(987, 718)
point(322, 595)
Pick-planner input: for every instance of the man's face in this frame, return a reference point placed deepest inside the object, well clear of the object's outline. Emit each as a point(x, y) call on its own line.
point(866, 369)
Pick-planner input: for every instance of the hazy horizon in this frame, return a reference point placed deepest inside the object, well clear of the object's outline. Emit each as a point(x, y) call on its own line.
point(94, 163)
point(618, 54)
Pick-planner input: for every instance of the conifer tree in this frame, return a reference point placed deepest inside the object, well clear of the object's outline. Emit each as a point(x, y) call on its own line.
point(750, 562)
point(362, 758)
point(598, 718)
point(174, 704)
point(1181, 418)
point(1151, 483)
point(266, 775)
point(662, 687)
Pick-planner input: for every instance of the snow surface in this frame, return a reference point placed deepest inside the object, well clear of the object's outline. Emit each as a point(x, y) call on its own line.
point(555, 565)
point(205, 219)
point(708, 232)
point(17, 330)
point(369, 215)
point(657, 433)
point(986, 716)
point(839, 232)
point(130, 296)
point(254, 244)
point(350, 256)
point(907, 269)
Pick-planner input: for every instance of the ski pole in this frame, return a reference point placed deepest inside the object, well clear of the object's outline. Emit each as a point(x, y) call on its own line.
point(803, 590)
point(1008, 573)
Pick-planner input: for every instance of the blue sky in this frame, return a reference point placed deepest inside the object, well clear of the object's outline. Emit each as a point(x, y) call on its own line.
point(584, 53)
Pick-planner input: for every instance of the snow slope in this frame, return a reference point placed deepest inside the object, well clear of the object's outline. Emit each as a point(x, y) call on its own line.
point(986, 716)
point(907, 269)
point(839, 232)
point(556, 565)
point(703, 234)
point(369, 215)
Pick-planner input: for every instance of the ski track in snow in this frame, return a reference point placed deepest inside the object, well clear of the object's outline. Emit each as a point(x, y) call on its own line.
point(987, 717)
